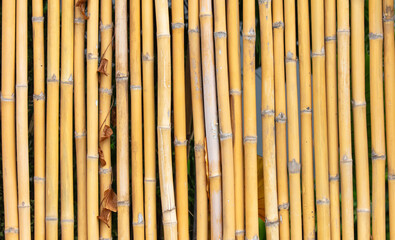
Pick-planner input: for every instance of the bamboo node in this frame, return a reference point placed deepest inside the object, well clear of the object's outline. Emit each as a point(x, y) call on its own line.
point(177, 25)
point(11, 230)
point(163, 128)
point(279, 24)
point(375, 156)
point(264, 1)
point(51, 219)
point(224, 136)
point(195, 30)
point(150, 180)
point(206, 15)
point(21, 85)
point(346, 159)
point(125, 203)
point(319, 54)
point(250, 139)
point(119, 77)
point(170, 223)
point(163, 35)
point(253, 238)
point(10, 99)
point(234, 92)
point(91, 56)
point(38, 19)
point(140, 220)
point(68, 81)
point(388, 17)
point(215, 175)
point(24, 205)
point(106, 27)
point(38, 179)
point(240, 232)
point(391, 177)
point(38, 97)
point(102, 238)
point(290, 58)
point(180, 143)
point(334, 178)
point(268, 112)
point(284, 206)
point(79, 20)
point(93, 157)
point(358, 104)
point(135, 87)
point(67, 221)
point(105, 170)
point(271, 223)
point(218, 35)
point(363, 210)
point(323, 201)
point(374, 36)
point(330, 38)
point(169, 210)
point(293, 166)
point(147, 58)
point(343, 31)
point(80, 135)
point(306, 110)
point(199, 147)
point(251, 35)
point(281, 118)
point(53, 79)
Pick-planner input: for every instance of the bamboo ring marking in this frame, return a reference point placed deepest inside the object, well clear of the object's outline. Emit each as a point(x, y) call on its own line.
point(106, 27)
point(330, 38)
point(125, 203)
point(10, 99)
point(250, 139)
point(278, 24)
point(135, 87)
point(234, 92)
point(177, 25)
point(334, 178)
point(196, 30)
point(38, 179)
point(284, 206)
point(107, 91)
point(323, 201)
point(224, 136)
point(37, 19)
point(11, 230)
point(79, 20)
point(374, 36)
point(218, 35)
point(267, 112)
point(105, 170)
point(271, 223)
point(180, 143)
point(38, 97)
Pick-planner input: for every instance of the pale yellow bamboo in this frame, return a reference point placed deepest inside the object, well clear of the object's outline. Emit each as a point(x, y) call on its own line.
point(377, 118)
point(343, 33)
point(250, 133)
point(267, 113)
point(39, 119)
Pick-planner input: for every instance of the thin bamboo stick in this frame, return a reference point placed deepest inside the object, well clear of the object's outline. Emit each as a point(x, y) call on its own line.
point(267, 113)
point(180, 142)
point(149, 120)
point(377, 118)
point(39, 119)
point(250, 133)
point(359, 118)
point(211, 119)
point(306, 121)
point(52, 143)
point(293, 120)
point(80, 119)
point(281, 118)
point(169, 214)
point(343, 32)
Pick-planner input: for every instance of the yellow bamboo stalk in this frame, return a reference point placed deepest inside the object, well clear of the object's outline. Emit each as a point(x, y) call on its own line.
point(359, 118)
point(149, 120)
point(198, 120)
point(250, 133)
point(377, 118)
point(293, 120)
point(39, 119)
point(52, 141)
point(343, 33)
point(281, 118)
point(389, 76)
point(211, 119)
point(169, 214)
point(306, 121)
point(267, 113)
point(105, 93)
point(180, 142)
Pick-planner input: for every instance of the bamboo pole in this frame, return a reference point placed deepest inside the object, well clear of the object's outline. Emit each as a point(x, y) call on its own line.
point(105, 94)
point(233, 28)
point(136, 122)
point(377, 118)
point(180, 142)
point(267, 113)
point(389, 76)
point(359, 118)
point(211, 119)
point(346, 171)
point(169, 214)
point(306, 121)
point(250, 133)
point(39, 119)
point(281, 118)
point(52, 141)
point(80, 119)
point(293, 120)
point(149, 120)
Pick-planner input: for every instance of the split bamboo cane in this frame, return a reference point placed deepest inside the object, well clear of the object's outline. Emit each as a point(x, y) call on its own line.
point(293, 120)
point(377, 118)
point(225, 124)
point(39, 120)
point(331, 101)
point(281, 118)
point(180, 142)
point(169, 213)
point(233, 28)
point(306, 121)
point(198, 120)
point(359, 118)
point(52, 141)
point(80, 118)
point(346, 171)
point(389, 77)
point(267, 113)
point(250, 132)
point(105, 94)
point(149, 120)
point(122, 77)
point(136, 122)
point(320, 121)
point(22, 139)
point(211, 118)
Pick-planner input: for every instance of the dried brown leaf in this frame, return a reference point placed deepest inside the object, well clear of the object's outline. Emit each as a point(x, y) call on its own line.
point(101, 158)
point(107, 132)
point(109, 200)
point(81, 4)
point(105, 216)
point(103, 66)
point(114, 116)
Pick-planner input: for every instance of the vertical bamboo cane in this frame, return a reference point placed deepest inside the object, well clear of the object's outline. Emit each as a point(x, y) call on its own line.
point(306, 121)
point(389, 76)
point(359, 118)
point(169, 213)
point(180, 142)
point(250, 133)
point(267, 113)
point(377, 118)
point(105, 93)
point(149, 120)
point(331, 101)
point(80, 120)
point(233, 28)
point(293, 120)
point(343, 32)
point(39, 120)
point(52, 143)
point(281, 118)
point(211, 119)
